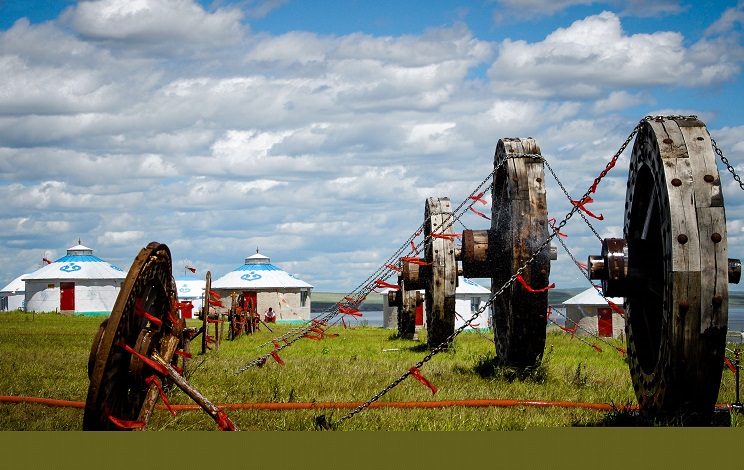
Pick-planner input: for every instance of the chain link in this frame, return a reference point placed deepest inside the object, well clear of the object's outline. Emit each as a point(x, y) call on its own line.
point(726, 162)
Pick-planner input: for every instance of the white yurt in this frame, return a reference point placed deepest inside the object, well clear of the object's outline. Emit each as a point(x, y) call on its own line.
point(13, 296)
point(266, 285)
point(594, 315)
point(78, 283)
point(470, 297)
point(190, 289)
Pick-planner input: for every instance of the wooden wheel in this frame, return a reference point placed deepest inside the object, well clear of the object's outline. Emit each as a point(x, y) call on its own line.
point(439, 250)
point(118, 391)
point(518, 229)
point(672, 268)
point(406, 302)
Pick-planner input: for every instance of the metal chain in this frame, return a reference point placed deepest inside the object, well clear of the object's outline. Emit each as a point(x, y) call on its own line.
point(512, 279)
point(726, 162)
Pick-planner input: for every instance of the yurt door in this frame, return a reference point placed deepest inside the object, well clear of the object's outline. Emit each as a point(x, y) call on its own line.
point(420, 314)
point(604, 322)
point(67, 296)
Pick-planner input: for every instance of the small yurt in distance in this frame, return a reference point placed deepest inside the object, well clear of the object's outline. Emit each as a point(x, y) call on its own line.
point(13, 296)
point(190, 289)
point(594, 315)
point(470, 297)
point(78, 283)
point(265, 285)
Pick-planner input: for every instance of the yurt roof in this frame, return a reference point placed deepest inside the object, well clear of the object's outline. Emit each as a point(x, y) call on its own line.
point(467, 286)
point(79, 263)
point(190, 287)
point(258, 273)
point(16, 285)
point(592, 296)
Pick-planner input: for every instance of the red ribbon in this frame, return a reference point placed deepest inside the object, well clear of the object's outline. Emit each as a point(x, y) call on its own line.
point(140, 311)
point(622, 351)
point(571, 330)
point(417, 373)
point(582, 206)
point(479, 213)
point(597, 347)
point(446, 236)
point(417, 261)
point(729, 364)
point(215, 303)
point(550, 312)
point(313, 337)
point(156, 366)
point(386, 285)
point(153, 379)
point(394, 268)
point(350, 311)
point(552, 225)
point(215, 294)
point(530, 289)
point(276, 345)
point(223, 422)
point(478, 198)
point(123, 423)
point(183, 354)
point(413, 247)
point(593, 189)
point(615, 307)
point(276, 357)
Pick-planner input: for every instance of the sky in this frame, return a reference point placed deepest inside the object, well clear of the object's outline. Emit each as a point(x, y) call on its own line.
point(315, 131)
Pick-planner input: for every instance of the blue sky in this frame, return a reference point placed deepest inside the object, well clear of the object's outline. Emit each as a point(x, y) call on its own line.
point(316, 130)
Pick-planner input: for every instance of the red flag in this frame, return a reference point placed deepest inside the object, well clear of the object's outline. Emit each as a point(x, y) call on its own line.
point(417, 373)
point(191, 268)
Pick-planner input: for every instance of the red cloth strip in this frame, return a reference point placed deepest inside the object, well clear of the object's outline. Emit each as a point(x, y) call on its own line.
point(615, 307)
point(183, 354)
point(276, 357)
point(593, 189)
point(210, 339)
point(417, 373)
point(478, 198)
point(480, 213)
point(582, 206)
point(140, 311)
point(350, 311)
point(313, 337)
point(446, 236)
point(571, 330)
point(386, 285)
point(223, 422)
point(215, 294)
point(550, 312)
point(552, 222)
point(394, 268)
point(126, 424)
point(214, 320)
point(622, 351)
point(597, 347)
point(413, 247)
point(276, 345)
point(157, 367)
point(417, 261)
point(215, 303)
point(530, 289)
point(153, 379)
point(729, 364)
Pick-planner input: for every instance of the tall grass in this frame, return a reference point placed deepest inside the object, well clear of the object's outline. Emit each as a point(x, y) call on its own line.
point(46, 356)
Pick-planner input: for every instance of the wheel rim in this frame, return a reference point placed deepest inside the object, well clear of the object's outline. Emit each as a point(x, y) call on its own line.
point(518, 229)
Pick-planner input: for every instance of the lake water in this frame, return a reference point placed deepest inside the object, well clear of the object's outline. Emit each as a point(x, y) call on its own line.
point(735, 322)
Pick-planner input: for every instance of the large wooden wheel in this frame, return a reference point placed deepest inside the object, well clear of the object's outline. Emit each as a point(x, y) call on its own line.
point(672, 269)
point(119, 392)
point(518, 229)
point(439, 253)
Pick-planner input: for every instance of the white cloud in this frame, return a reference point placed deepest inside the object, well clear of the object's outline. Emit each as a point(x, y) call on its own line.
point(594, 54)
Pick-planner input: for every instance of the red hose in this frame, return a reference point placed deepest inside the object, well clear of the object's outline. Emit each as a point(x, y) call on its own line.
point(342, 405)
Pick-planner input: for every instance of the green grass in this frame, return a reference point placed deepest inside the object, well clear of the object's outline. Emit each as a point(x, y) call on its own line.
point(46, 355)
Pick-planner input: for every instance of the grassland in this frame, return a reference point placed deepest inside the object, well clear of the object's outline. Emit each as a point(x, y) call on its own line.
point(45, 355)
